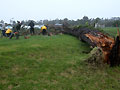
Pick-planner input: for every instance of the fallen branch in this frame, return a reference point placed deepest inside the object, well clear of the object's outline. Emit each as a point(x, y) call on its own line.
point(110, 47)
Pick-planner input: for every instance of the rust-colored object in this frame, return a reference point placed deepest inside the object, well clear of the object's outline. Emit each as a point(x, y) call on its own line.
point(16, 33)
point(49, 34)
point(118, 33)
point(104, 42)
point(26, 37)
point(110, 47)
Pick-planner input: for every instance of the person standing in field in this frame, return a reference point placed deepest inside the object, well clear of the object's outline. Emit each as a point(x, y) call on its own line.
point(16, 30)
point(18, 26)
point(31, 24)
point(3, 29)
point(44, 30)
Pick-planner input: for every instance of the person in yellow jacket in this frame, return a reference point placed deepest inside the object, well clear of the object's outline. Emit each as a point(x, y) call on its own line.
point(44, 30)
point(8, 32)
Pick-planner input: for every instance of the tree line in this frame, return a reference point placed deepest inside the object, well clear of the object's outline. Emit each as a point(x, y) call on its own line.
point(85, 20)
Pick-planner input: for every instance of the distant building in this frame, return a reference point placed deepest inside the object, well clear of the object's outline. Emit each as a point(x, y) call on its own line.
point(99, 25)
point(57, 24)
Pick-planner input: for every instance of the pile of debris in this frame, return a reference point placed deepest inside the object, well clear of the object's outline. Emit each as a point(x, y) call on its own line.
point(95, 57)
point(109, 46)
point(55, 30)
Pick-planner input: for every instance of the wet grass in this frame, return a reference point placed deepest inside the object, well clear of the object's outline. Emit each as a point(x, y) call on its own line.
point(111, 31)
point(52, 63)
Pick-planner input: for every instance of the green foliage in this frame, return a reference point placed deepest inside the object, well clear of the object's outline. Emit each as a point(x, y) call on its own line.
point(117, 22)
point(87, 26)
point(86, 23)
point(97, 20)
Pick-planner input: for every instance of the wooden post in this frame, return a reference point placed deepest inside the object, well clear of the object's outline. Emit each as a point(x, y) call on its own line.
point(118, 33)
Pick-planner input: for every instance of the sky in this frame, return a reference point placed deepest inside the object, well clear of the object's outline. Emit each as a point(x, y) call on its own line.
point(52, 9)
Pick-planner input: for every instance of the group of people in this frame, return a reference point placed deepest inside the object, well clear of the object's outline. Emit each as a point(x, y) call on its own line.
point(10, 33)
point(32, 32)
point(16, 30)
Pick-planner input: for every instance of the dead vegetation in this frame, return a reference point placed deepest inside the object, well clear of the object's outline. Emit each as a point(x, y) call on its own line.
point(95, 57)
point(109, 48)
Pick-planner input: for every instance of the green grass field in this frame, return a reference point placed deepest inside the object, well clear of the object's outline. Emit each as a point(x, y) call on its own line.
point(52, 63)
point(111, 31)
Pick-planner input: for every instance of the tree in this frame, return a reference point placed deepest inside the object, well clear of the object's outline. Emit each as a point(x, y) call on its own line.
point(85, 18)
point(117, 22)
point(45, 22)
point(1, 21)
point(97, 20)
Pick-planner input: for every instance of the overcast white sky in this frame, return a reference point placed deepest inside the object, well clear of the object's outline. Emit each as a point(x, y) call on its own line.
point(52, 9)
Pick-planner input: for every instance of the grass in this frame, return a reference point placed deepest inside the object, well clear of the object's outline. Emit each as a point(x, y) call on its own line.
point(112, 31)
point(52, 63)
